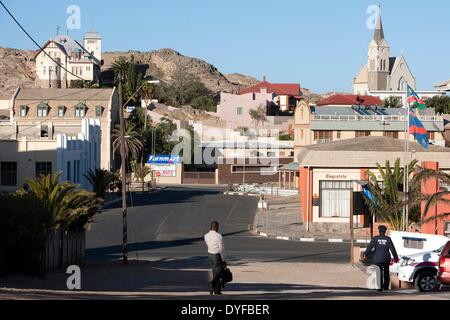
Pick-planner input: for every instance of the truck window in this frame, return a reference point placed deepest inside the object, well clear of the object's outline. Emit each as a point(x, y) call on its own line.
point(413, 243)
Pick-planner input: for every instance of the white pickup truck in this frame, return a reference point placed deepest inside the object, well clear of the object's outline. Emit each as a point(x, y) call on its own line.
point(419, 258)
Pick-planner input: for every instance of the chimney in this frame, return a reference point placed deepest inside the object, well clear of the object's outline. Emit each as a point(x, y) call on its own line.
point(264, 78)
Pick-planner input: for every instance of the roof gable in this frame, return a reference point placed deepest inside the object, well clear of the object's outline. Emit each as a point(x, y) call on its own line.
point(290, 89)
point(350, 100)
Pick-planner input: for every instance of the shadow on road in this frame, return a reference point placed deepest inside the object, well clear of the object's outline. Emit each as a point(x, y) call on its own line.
point(111, 252)
point(170, 196)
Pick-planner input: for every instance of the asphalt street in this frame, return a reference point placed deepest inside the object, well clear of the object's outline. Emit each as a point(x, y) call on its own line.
point(171, 224)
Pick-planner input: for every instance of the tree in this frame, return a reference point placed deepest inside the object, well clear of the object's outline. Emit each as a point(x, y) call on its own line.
point(204, 103)
point(389, 196)
point(140, 171)
point(440, 103)
point(258, 115)
point(133, 142)
point(392, 102)
point(71, 208)
point(101, 181)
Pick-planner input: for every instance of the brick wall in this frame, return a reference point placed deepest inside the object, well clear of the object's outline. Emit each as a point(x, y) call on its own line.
point(226, 176)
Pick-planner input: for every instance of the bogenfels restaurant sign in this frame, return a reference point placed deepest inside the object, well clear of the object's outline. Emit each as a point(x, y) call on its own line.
point(336, 176)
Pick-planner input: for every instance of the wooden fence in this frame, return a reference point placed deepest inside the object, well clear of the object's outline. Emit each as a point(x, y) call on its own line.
point(61, 249)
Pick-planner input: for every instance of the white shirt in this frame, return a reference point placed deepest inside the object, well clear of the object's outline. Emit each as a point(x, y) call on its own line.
point(214, 241)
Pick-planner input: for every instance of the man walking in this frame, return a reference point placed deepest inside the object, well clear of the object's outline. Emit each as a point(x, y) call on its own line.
point(216, 258)
point(380, 248)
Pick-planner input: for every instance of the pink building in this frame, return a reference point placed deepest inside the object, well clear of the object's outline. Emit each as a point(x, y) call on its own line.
point(278, 100)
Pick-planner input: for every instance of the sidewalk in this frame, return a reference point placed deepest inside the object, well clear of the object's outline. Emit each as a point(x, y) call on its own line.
point(187, 279)
point(284, 221)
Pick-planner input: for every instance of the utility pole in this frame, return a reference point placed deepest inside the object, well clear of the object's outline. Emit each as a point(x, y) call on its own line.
point(123, 159)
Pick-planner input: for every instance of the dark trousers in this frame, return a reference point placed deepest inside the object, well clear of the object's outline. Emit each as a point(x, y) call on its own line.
point(216, 263)
point(385, 276)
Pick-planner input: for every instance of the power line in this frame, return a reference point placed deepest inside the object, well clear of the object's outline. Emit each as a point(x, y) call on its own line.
point(34, 41)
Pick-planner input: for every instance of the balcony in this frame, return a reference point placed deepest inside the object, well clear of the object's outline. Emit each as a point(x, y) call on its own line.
point(376, 118)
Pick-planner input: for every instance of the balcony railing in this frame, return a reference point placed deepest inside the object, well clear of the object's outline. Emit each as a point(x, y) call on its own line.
point(380, 118)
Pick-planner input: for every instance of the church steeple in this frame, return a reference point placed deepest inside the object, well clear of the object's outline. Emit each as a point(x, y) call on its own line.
point(379, 32)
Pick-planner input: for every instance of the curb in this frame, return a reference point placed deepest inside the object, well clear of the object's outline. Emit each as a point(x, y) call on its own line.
point(241, 194)
point(265, 235)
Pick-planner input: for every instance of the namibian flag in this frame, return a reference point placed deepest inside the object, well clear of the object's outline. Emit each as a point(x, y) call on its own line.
point(414, 99)
point(417, 129)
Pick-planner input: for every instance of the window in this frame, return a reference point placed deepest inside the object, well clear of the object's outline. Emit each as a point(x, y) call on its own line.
point(80, 110)
point(44, 131)
point(335, 199)
point(323, 135)
point(271, 154)
point(239, 111)
point(98, 111)
point(45, 70)
point(391, 134)
point(339, 134)
point(413, 243)
point(43, 169)
point(447, 229)
point(42, 110)
point(61, 111)
point(9, 174)
point(361, 134)
point(23, 111)
point(69, 171)
point(251, 169)
point(431, 135)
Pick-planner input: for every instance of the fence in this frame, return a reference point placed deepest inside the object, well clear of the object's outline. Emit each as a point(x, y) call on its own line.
point(199, 178)
point(61, 249)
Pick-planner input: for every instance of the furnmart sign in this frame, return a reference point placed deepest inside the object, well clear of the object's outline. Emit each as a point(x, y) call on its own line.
point(163, 159)
point(164, 165)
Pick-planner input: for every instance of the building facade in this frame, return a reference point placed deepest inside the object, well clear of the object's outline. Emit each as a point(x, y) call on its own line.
point(82, 60)
point(382, 72)
point(73, 155)
point(278, 102)
point(315, 125)
point(42, 114)
point(326, 186)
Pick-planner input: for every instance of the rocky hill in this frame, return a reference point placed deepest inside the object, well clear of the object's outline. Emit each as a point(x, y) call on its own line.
point(16, 69)
point(163, 63)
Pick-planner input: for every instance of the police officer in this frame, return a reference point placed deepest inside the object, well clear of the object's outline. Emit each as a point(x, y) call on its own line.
point(380, 248)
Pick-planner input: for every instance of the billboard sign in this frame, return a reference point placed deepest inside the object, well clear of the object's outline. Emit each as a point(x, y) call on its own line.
point(163, 159)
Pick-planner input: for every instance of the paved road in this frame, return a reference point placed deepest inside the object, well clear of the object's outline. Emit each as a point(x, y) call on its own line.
point(171, 225)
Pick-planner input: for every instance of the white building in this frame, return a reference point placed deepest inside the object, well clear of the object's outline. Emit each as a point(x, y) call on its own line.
point(83, 60)
point(382, 72)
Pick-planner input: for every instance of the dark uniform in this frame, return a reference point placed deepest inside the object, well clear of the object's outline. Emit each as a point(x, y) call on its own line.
point(380, 249)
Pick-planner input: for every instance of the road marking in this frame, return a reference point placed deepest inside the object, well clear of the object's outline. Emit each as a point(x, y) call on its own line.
point(336, 240)
point(283, 238)
point(263, 234)
point(231, 211)
point(307, 239)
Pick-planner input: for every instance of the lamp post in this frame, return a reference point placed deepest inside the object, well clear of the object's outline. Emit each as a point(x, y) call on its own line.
point(123, 158)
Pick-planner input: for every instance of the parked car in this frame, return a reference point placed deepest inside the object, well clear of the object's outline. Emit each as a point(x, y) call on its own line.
point(420, 269)
point(409, 244)
point(444, 266)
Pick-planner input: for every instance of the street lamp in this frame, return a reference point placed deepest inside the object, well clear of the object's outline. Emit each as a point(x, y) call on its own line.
point(123, 158)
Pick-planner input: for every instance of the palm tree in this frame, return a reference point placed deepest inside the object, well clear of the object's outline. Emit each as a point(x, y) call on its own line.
point(120, 69)
point(71, 208)
point(101, 181)
point(389, 198)
point(140, 171)
point(133, 142)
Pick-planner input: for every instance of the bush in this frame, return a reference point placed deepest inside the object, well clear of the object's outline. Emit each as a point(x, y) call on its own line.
point(23, 227)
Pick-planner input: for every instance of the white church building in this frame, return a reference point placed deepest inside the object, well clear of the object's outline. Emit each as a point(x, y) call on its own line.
point(83, 60)
point(382, 72)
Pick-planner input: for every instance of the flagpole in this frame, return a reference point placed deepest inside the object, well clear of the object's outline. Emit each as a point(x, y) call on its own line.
point(406, 175)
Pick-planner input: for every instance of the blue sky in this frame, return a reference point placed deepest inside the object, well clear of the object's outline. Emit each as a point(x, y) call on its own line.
point(320, 44)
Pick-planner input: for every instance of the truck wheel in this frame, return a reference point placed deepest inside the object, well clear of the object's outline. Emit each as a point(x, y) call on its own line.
point(426, 281)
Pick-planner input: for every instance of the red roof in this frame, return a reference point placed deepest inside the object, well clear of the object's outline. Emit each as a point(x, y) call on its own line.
point(289, 89)
point(350, 100)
